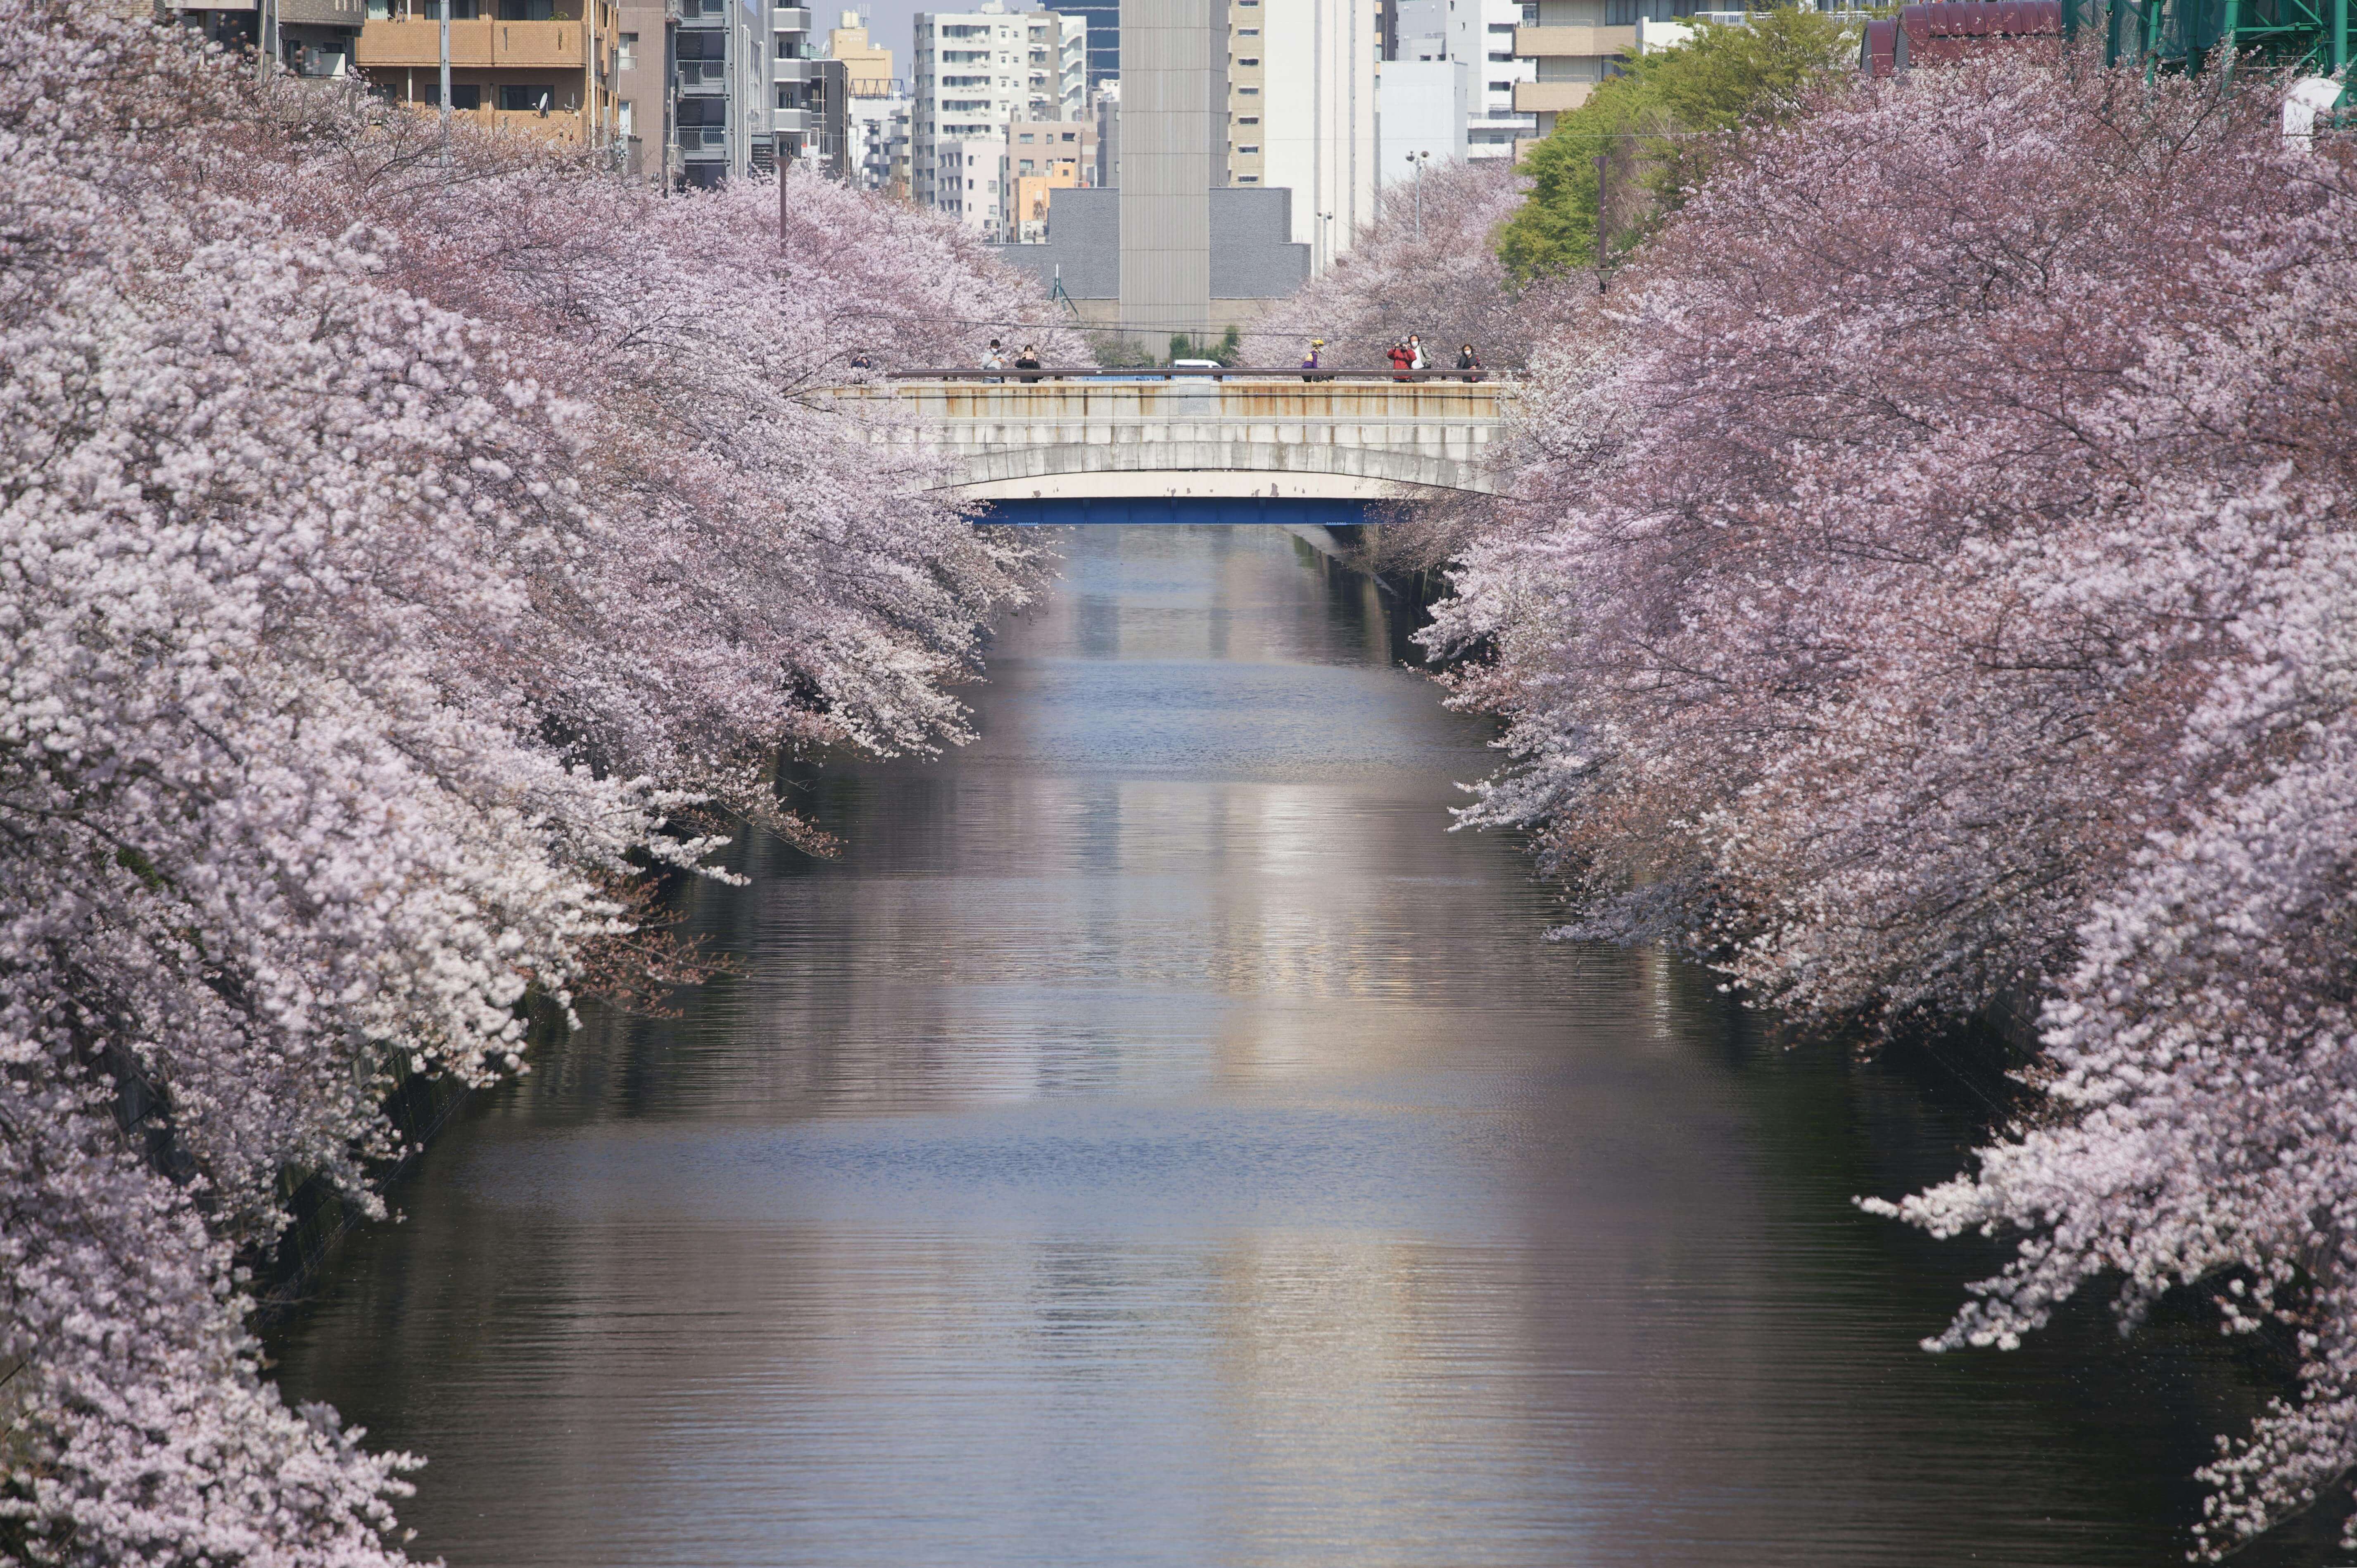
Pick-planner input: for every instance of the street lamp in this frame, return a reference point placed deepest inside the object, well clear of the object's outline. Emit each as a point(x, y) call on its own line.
point(1325, 239)
point(1417, 161)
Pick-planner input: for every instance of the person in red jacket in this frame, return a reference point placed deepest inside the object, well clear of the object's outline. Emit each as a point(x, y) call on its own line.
point(1401, 360)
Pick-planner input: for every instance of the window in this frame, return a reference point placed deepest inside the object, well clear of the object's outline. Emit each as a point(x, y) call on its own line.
point(1247, 152)
point(1248, 63)
point(626, 54)
point(525, 10)
point(524, 98)
point(1248, 120)
point(463, 95)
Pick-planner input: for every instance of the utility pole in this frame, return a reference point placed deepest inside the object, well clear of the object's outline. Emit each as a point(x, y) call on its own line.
point(784, 164)
point(443, 6)
point(1417, 161)
point(1603, 232)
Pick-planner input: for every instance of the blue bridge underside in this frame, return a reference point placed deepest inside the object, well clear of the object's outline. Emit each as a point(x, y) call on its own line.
point(1257, 509)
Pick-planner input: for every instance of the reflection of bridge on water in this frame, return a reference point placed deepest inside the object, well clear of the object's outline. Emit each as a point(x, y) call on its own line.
point(1182, 446)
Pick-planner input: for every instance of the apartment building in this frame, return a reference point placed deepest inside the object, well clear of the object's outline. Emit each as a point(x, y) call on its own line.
point(545, 67)
point(1570, 48)
point(712, 90)
point(1480, 35)
point(966, 175)
point(977, 70)
point(309, 37)
point(1041, 157)
point(879, 142)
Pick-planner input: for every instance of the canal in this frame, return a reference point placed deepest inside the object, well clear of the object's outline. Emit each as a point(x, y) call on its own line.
point(1158, 1140)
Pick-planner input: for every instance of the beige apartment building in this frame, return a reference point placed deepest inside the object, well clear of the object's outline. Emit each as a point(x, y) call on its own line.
point(545, 67)
point(1572, 44)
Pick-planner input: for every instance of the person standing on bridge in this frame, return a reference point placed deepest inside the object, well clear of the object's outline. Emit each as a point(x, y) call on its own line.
point(1310, 361)
point(996, 359)
point(1415, 360)
point(1027, 360)
point(1401, 358)
point(1467, 360)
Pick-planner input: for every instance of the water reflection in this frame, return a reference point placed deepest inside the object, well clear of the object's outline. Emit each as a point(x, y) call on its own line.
point(1157, 1141)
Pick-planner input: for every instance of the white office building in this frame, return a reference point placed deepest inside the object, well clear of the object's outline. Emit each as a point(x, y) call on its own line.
point(1301, 111)
point(1425, 107)
point(977, 70)
point(1480, 35)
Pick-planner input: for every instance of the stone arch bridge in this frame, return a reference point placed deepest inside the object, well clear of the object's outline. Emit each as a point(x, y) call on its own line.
point(1187, 446)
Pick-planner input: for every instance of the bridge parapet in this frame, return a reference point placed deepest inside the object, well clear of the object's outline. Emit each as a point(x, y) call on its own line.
point(1189, 436)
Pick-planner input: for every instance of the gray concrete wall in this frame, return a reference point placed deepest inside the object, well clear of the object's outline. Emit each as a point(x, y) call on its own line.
point(1252, 253)
point(1251, 256)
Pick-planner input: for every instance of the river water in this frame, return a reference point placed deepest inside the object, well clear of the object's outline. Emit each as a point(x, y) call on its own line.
point(1158, 1140)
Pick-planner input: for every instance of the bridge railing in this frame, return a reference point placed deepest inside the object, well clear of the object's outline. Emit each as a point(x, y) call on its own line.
point(1189, 373)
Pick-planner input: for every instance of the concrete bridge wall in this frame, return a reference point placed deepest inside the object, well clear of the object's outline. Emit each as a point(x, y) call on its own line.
point(1277, 438)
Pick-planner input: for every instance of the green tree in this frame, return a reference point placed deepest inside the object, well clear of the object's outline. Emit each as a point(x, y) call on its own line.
point(1653, 124)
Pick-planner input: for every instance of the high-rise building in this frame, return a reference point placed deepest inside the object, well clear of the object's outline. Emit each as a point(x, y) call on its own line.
point(1480, 35)
point(1301, 111)
point(1103, 17)
point(977, 71)
point(544, 67)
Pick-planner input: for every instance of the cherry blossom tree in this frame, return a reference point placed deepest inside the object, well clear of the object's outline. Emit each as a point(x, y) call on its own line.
point(394, 562)
point(1445, 283)
point(1923, 595)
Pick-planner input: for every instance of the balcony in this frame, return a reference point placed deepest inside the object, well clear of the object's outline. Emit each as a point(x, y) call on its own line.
point(790, 19)
point(797, 121)
point(1550, 97)
point(786, 70)
point(476, 45)
point(1543, 43)
point(557, 125)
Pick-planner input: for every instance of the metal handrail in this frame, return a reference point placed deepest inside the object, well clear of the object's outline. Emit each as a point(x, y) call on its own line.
point(1165, 373)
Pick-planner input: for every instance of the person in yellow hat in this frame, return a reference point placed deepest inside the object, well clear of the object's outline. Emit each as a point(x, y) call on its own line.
point(1310, 361)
